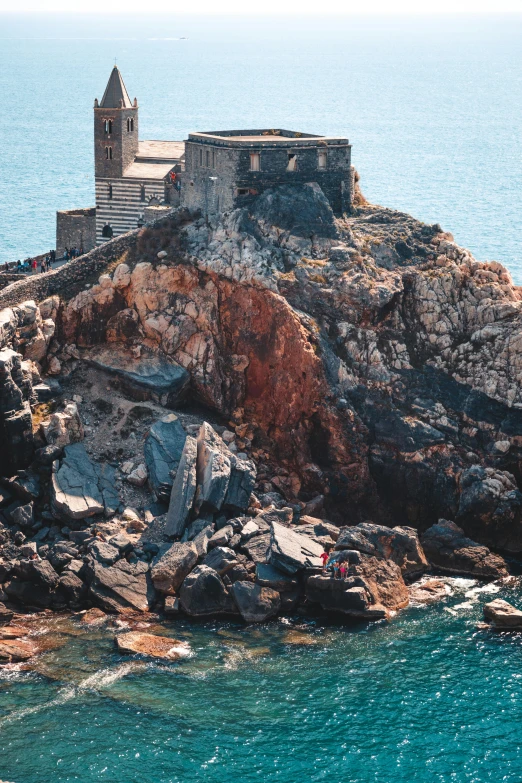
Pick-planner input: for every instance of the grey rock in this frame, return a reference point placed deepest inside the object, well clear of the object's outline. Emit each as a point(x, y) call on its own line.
point(197, 526)
point(448, 548)
point(150, 377)
point(72, 589)
point(163, 449)
point(171, 567)
point(23, 516)
point(291, 552)
point(213, 470)
point(183, 490)
point(249, 529)
point(81, 489)
point(255, 603)
point(258, 548)
point(221, 559)
point(203, 594)
point(348, 596)
point(268, 576)
point(120, 587)
point(104, 553)
point(400, 544)
point(122, 542)
point(202, 539)
point(172, 606)
point(242, 481)
point(221, 537)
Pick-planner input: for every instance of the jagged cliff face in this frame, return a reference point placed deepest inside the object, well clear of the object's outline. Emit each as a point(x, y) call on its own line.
point(376, 361)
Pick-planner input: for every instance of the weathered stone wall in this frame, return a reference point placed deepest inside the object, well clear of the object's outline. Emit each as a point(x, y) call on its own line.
point(214, 186)
point(124, 143)
point(75, 228)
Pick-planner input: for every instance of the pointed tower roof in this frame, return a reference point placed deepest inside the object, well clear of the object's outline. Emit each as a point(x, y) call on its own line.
point(115, 95)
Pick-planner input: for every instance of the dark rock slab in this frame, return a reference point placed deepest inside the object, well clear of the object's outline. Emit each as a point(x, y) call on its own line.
point(203, 594)
point(6, 615)
point(149, 377)
point(104, 553)
point(300, 210)
point(291, 552)
point(350, 597)
point(400, 544)
point(257, 548)
point(255, 603)
point(447, 547)
point(80, 488)
point(241, 485)
point(163, 449)
point(121, 587)
point(170, 567)
point(183, 490)
point(221, 559)
point(213, 470)
point(268, 576)
point(73, 590)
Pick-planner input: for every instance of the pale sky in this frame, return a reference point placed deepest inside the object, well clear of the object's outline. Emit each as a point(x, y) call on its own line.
point(320, 7)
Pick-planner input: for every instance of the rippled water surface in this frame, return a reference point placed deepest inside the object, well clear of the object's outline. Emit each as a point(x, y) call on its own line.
point(431, 105)
point(428, 698)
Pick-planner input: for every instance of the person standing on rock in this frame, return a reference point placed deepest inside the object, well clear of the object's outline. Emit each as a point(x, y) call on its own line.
point(343, 569)
point(34, 265)
point(336, 570)
point(325, 557)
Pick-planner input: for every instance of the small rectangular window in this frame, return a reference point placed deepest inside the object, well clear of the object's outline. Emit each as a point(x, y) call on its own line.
point(255, 161)
point(208, 159)
point(322, 160)
point(213, 159)
point(243, 191)
point(200, 156)
point(292, 162)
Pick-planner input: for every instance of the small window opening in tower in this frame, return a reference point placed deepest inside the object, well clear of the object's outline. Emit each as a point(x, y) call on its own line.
point(292, 162)
point(213, 159)
point(322, 160)
point(110, 191)
point(255, 161)
point(130, 125)
point(108, 153)
point(243, 191)
point(108, 127)
point(142, 193)
point(200, 157)
point(107, 231)
point(208, 159)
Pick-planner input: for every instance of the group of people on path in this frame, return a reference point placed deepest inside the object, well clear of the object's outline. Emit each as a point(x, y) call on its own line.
point(72, 252)
point(338, 569)
point(31, 264)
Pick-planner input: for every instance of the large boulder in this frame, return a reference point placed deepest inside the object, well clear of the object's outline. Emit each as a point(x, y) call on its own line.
point(152, 645)
point(242, 481)
point(255, 603)
point(151, 376)
point(221, 559)
point(503, 615)
point(183, 490)
point(170, 568)
point(300, 210)
point(81, 489)
point(448, 548)
point(203, 594)
point(400, 544)
point(490, 508)
point(121, 587)
point(258, 548)
point(213, 470)
point(15, 650)
point(163, 449)
point(291, 552)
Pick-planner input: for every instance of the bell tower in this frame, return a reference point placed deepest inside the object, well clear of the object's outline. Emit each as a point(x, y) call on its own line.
point(115, 129)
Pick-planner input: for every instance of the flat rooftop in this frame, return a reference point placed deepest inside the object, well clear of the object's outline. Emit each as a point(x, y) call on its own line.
point(260, 137)
point(161, 150)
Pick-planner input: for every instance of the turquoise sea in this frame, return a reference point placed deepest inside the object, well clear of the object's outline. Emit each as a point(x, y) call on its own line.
point(427, 698)
point(432, 106)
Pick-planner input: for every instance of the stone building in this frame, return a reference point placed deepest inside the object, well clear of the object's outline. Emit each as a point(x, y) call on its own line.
point(226, 169)
point(212, 171)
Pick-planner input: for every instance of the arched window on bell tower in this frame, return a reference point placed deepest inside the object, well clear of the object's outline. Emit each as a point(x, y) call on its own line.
point(130, 125)
point(108, 153)
point(108, 127)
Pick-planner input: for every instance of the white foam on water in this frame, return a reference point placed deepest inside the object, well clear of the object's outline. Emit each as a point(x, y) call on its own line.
point(95, 682)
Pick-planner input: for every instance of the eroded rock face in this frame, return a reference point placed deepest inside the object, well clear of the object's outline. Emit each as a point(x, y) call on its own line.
point(399, 544)
point(255, 603)
point(163, 450)
point(170, 568)
point(151, 645)
point(503, 615)
point(122, 587)
point(183, 490)
point(203, 594)
point(448, 548)
point(81, 488)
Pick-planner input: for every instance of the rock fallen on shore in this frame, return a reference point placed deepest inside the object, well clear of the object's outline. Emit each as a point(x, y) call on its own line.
point(448, 548)
point(152, 645)
point(502, 615)
point(399, 544)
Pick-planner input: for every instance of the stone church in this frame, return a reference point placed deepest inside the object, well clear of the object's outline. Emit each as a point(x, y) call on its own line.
point(213, 171)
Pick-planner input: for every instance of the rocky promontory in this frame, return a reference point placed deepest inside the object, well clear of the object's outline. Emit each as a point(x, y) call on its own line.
point(190, 430)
